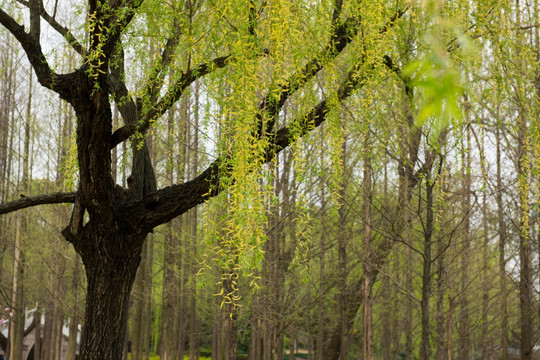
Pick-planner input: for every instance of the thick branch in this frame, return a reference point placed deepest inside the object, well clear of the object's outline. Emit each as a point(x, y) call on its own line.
point(35, 28)
point(51, 20)
point(170, 202)
point(157, 74)
point(65, 32)
point(29, 201)
point(61, 84)
point(338, 6)
point(118, 24)
point(174, 93)
point(118, 88)
point(392, 66)
point(342, 35)
point(317, 115)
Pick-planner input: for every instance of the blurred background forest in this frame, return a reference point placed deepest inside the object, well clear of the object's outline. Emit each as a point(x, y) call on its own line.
point(406, 226)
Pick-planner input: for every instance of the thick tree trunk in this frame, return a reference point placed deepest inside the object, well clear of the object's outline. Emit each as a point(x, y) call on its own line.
point(110, 270)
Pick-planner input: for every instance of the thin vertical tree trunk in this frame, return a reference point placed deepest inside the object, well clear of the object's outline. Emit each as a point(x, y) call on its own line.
point(17, 302)
point(255, 338)
point(321, 314)
point(149, 273)
point(194, 334)
point(59, 293)
point(7, 60)
point(525, 266)
point(138, 331)
point(170, 292)
point(441, 353)
point(292, 345)
point(367, 270)
point(408, 326)
point(464, 326)
point(268, 311)
point(503, 307)
point(425, 347)
point(387, 332)
point(450, 324)
point(342, 258)
point(38, 335)
point(216, 330)
point(486, 283)
point(442, 279)
point(525, 269)
point(148, 296)
point(536, 132)
point(74, 321)
point(310, 353)
point(46, 333)
point(183, 263)
point(53, 325)
point(15, 339)
point(396, 326)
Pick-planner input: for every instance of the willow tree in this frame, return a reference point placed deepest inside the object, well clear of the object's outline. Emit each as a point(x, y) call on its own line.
point(270, 52)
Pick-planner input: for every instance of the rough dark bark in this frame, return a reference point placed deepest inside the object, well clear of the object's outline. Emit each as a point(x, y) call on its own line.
point(110, 273)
